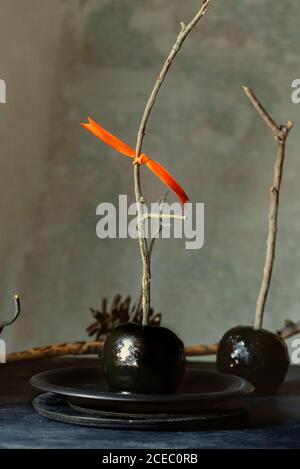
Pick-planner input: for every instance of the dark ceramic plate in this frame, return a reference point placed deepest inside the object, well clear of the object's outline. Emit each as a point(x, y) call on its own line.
point(85, 387)
point(57, 408)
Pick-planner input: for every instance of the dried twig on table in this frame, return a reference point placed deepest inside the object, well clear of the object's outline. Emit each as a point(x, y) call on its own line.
point(56, 350)
point(200, 350)
point(281, 133)
point(88, 348)
point(290, 329)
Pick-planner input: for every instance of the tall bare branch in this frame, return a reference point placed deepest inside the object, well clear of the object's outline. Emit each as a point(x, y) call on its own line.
point(281, 133)
point(146, 280)
point(15, 316)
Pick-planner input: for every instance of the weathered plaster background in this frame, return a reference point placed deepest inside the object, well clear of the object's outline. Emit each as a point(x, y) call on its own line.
point(64, 59)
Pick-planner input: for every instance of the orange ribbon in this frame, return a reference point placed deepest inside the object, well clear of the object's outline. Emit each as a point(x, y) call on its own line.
point(126, 150)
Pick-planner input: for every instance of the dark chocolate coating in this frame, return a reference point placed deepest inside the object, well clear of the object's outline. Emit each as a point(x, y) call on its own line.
point(257, 355)
point(143, 359)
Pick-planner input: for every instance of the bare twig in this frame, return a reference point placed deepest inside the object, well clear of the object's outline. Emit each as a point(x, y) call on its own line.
point(165, 216)
point(15, 316)
point(150, 249)
point(185, 30)
point(290, 329)
point(281, 133)
point(201, 350)
point(161, 203)
point(88, 348)
point(56, 350)
point(261, 111)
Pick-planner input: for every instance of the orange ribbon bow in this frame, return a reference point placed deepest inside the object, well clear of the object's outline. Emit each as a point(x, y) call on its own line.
point(126, 150)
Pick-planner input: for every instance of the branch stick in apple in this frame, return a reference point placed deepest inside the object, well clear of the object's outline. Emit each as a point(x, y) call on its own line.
point(146, 279)
point(281, 133)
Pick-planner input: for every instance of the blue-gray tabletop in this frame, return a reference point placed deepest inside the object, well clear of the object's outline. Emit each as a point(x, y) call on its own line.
point(274, 421)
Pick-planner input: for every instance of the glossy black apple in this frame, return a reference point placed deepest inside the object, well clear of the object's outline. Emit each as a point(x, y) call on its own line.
point(257, 355)
point(143, 359)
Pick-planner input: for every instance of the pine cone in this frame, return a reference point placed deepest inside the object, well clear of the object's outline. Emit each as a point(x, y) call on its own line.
point(120, 312)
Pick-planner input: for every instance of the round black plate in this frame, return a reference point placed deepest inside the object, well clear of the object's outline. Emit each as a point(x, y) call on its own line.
point(56, 408)
point(85, 387)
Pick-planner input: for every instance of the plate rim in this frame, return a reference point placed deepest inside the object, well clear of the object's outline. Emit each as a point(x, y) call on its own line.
point(187, 421)
point(38, 381)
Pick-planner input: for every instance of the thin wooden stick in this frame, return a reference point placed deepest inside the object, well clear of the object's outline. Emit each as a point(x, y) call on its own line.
point(146, 280)
point(261, 111)
point(89, 348)
point(56, 350)
point(150, 249)
point(201, 350)
point(165, 216)
point(161, 203)
point(290, 329)
point(15, 316)
point(281, 133)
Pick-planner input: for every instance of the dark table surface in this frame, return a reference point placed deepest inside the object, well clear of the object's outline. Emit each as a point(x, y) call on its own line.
point(274, 421)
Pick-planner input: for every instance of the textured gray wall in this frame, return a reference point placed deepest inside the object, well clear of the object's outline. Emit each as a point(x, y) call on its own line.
point(64, 59)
